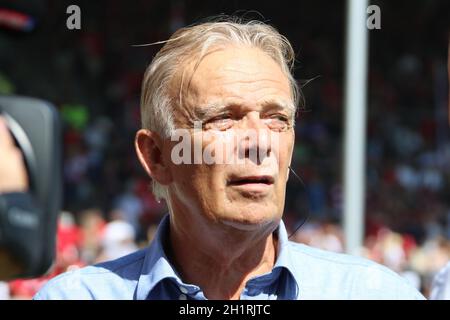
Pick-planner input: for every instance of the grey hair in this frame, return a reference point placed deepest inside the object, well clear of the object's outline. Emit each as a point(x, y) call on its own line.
point(193, 42)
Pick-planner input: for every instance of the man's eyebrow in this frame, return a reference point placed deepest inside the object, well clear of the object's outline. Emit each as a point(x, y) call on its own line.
point(210, 109)
point(220, 106)
point(281, 104)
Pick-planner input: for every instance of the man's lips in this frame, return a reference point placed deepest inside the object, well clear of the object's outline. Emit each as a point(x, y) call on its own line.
point(246, 180)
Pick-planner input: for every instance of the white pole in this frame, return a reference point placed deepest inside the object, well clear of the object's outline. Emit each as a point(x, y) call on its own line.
point(355, 124)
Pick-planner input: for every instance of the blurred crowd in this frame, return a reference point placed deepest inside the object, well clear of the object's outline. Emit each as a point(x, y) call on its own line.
point(93, 76)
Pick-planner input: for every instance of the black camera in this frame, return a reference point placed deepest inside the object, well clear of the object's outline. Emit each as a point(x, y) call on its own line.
point(28, 220)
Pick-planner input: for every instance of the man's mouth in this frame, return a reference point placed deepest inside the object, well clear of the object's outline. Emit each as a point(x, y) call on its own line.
point(246, 180)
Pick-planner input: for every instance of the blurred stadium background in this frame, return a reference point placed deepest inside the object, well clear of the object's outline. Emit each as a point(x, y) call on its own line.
point(93, 75)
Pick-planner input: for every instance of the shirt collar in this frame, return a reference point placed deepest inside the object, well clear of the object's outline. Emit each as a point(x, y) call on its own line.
point(157, 267)
point(285, 256)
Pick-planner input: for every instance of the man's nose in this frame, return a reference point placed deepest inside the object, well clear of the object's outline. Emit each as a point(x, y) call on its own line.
point(254, 139)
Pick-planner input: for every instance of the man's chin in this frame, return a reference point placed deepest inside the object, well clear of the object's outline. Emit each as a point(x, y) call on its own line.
point(251, 224)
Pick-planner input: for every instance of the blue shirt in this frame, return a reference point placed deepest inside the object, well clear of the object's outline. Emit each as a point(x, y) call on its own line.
point(300, 272)
point(440, 288)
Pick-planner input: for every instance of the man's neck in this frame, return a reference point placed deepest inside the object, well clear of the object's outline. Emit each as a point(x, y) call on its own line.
point(221, 263)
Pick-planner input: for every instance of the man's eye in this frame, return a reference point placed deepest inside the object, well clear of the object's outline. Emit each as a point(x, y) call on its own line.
point(221, 118)
point(280, 118)
point(278, 122)
point(221, 122)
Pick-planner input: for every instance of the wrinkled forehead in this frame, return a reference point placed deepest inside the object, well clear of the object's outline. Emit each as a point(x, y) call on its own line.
point(223, 71)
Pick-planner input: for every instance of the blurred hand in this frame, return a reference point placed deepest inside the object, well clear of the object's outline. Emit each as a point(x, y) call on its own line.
point(13, 178)
point(13, 174)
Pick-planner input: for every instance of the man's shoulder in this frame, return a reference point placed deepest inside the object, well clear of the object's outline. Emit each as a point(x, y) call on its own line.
point(115, 279)
point(327, 257)
point(440, 289)
point(350, 277)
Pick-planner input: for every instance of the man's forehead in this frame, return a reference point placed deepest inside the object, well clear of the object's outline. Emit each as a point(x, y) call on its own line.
point(236, 61)
point(214, 80)
point(240, 59)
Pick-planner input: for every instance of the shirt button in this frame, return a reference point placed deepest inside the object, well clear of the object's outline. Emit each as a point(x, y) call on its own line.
point(183, 290)
point(183, 297)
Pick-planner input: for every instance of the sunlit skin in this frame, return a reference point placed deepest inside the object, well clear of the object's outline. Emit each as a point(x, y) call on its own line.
point(221, 230)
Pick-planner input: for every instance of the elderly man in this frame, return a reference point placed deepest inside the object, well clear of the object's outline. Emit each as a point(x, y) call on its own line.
point(226, 89)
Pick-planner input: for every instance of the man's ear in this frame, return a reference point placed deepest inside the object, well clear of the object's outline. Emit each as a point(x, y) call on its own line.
point(149, 148)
